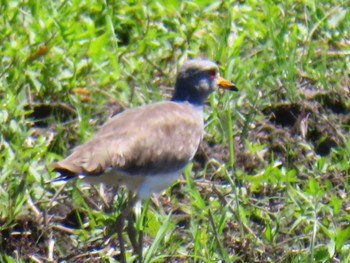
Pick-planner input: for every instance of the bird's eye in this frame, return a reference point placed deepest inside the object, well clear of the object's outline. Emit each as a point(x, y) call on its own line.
point(212, 74)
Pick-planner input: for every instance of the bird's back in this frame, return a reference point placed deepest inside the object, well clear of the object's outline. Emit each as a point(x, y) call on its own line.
point(149, 140)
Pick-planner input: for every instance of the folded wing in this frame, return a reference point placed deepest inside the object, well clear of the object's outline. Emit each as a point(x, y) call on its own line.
point(153, 139)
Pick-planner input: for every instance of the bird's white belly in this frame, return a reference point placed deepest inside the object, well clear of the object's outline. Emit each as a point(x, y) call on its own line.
point(143, 186)
point(156, 184)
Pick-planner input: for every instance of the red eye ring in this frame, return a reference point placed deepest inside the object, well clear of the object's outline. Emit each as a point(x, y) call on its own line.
point(212, 73)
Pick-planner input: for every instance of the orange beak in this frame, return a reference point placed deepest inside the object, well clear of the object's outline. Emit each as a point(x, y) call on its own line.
point(225, 84)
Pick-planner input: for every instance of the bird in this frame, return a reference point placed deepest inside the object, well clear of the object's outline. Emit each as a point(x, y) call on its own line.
point(146, 148)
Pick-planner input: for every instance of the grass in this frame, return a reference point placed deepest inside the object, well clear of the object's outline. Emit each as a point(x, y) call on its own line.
point(265, 192)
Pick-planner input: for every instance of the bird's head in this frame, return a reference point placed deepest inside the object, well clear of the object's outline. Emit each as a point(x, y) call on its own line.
point(198, 78)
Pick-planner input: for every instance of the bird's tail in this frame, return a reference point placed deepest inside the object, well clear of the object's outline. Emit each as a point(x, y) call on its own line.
point(65, 174)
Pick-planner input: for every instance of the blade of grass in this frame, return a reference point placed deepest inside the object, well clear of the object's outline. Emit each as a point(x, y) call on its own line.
point(166, 226)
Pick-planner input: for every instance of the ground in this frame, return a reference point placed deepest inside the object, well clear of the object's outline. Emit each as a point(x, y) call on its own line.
point(270, 181)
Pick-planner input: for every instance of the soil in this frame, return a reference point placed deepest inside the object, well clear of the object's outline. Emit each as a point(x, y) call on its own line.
point(293, 133)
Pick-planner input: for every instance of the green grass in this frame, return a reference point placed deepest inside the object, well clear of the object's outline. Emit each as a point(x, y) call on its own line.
point(267, 197)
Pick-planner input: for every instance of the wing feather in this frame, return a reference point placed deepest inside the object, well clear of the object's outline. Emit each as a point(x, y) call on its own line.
point(157, 138)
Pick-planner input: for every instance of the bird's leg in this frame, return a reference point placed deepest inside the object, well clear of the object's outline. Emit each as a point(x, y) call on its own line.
point(132, 231)
point(120, 225)
point(140, 245)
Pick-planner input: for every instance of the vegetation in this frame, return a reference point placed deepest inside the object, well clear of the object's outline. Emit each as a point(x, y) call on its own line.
point(271, 180)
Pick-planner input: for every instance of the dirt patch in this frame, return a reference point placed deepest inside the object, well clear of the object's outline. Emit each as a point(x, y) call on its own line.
point(293, 132)
point(41, 114)
point(297, 132)
point(23, 237)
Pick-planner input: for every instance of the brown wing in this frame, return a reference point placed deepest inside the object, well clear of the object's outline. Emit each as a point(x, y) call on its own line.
point(157, 138)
